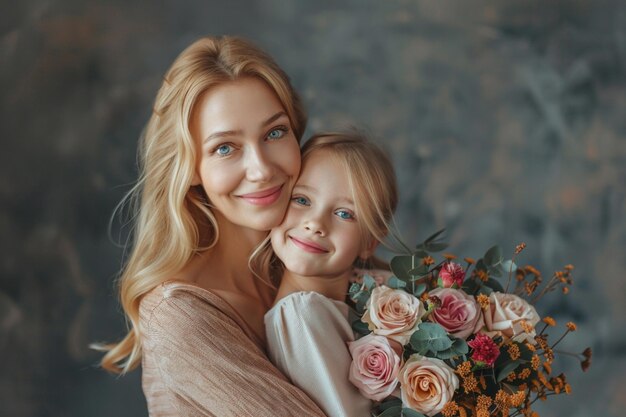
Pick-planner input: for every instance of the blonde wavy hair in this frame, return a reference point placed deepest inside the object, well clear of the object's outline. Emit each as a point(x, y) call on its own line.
point(372, 181)
point(171, 219)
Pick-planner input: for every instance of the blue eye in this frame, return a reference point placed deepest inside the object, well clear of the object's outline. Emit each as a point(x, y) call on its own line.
point(277, 133)
point(301, 201)
point(344, 214)
point(223, 150)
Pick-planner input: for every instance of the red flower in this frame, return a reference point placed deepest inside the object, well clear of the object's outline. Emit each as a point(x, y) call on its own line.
point(451, 275)
point(485, 350)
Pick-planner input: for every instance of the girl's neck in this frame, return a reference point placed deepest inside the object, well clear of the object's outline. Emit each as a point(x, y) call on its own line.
point(333, 287)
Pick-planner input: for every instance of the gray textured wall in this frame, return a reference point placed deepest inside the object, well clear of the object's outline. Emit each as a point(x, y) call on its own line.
point(505, 119)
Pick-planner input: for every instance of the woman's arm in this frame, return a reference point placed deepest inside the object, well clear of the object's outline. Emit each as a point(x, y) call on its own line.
point(306, 336)
point(210, 367)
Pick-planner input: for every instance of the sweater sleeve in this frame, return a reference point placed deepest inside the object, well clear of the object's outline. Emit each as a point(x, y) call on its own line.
point(209, 367)
point(307, 335)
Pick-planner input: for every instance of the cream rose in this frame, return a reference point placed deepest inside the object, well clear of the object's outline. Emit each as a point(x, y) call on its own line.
point(427, 384)
point(393, 313)
point(459, 313)
point(505, 317)
point(375, 366)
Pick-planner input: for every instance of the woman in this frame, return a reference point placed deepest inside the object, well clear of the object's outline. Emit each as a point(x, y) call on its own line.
point(219, 157)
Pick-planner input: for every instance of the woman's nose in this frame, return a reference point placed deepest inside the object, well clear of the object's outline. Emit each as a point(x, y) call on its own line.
point(259, 167)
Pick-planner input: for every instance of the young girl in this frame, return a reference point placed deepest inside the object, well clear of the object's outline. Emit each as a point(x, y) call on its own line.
point(340, 209)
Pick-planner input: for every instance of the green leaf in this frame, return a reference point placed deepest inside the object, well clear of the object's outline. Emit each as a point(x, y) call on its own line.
point(494, 285)
point(434, 236)
point(408, 412)
point(507, 369)
point(395, 283)
point(395, 411)
point(419, 290)
point(359, 327)
point(436, 246)
point(361, 301)
point(420, 270)
point(493, 256)
point(392, 402)
point(369, 282)
point(459, 348)
point(354, 289)
point(420, 254)
point(430, 336)
point(401, 265)
point(509, 266)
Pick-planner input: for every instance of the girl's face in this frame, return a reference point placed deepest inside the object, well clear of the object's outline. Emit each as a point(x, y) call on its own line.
point(320, 235)
point(249, 157)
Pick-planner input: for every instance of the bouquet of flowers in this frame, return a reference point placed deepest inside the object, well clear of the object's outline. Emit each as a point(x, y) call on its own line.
point(441, 338)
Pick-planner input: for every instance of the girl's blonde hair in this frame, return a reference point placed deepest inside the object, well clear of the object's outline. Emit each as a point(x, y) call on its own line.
point(372, 181)
point(171, 218)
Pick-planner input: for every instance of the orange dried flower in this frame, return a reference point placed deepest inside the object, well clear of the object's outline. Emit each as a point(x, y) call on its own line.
point(451, 409)
point(514, 352)
point(464, 368)
point(565, 290)
point(535, 362)
point(470, 384)
point(549, 321)
point(428, 260)
point(520, 248)
point(482, 275)
point(524, 373)
point(571, 326)
point(483, 301)
point(569, 267)
point(469, 261)
point(449, 256)
point(518, 398)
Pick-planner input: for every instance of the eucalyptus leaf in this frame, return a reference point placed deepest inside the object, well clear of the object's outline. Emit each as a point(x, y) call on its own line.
point(507, 369)
point(395, 283)
point(459, 348)
point(470, 286)
point(420, 269)
point(434, 236)
point(361, 301)
point(359, 327)
point(493, 256)
point(509, 266)
point(393, 402)
point(430, 336)
point(436, 246)
point(408, 412)
point(395, 411)
point(401, 265)
point(368, 281)
point(354, 289)
point(494, 285)
point(420, 254)
point(419, 290)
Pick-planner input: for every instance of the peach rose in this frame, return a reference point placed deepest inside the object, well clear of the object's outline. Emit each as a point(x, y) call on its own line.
point(427, 384)
point(375, 366)
point(458, 313)
point(393, 313)
point(506, 316)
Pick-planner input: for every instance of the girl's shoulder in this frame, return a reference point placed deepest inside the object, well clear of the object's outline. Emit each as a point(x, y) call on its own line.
point(306, 303)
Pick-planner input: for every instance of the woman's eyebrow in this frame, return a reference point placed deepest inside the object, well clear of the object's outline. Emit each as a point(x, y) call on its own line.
point(227, 133)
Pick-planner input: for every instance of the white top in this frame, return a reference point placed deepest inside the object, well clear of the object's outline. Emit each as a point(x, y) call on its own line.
point(306, 339)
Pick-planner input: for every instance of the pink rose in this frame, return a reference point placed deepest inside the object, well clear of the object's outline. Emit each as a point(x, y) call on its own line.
point(484, 349)
point(451, 275)
point(375, 366)
point(427, 384)
point(393, 313)
point(511, 317)
point(458, 313)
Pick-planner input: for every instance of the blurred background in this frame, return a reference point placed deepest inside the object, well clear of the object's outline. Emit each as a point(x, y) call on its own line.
point(505, 119)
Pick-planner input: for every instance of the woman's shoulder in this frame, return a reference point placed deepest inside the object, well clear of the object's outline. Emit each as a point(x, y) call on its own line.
point(175, 300)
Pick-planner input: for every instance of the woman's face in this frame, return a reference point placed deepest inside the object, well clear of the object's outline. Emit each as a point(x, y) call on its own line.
point(320, 235)
point(249, 157)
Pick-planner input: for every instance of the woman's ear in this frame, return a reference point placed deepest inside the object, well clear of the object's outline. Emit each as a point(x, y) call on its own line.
point(368, 249)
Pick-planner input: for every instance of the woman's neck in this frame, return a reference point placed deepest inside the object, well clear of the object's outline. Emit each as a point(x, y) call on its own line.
point(225, 265)
point(333, 287)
